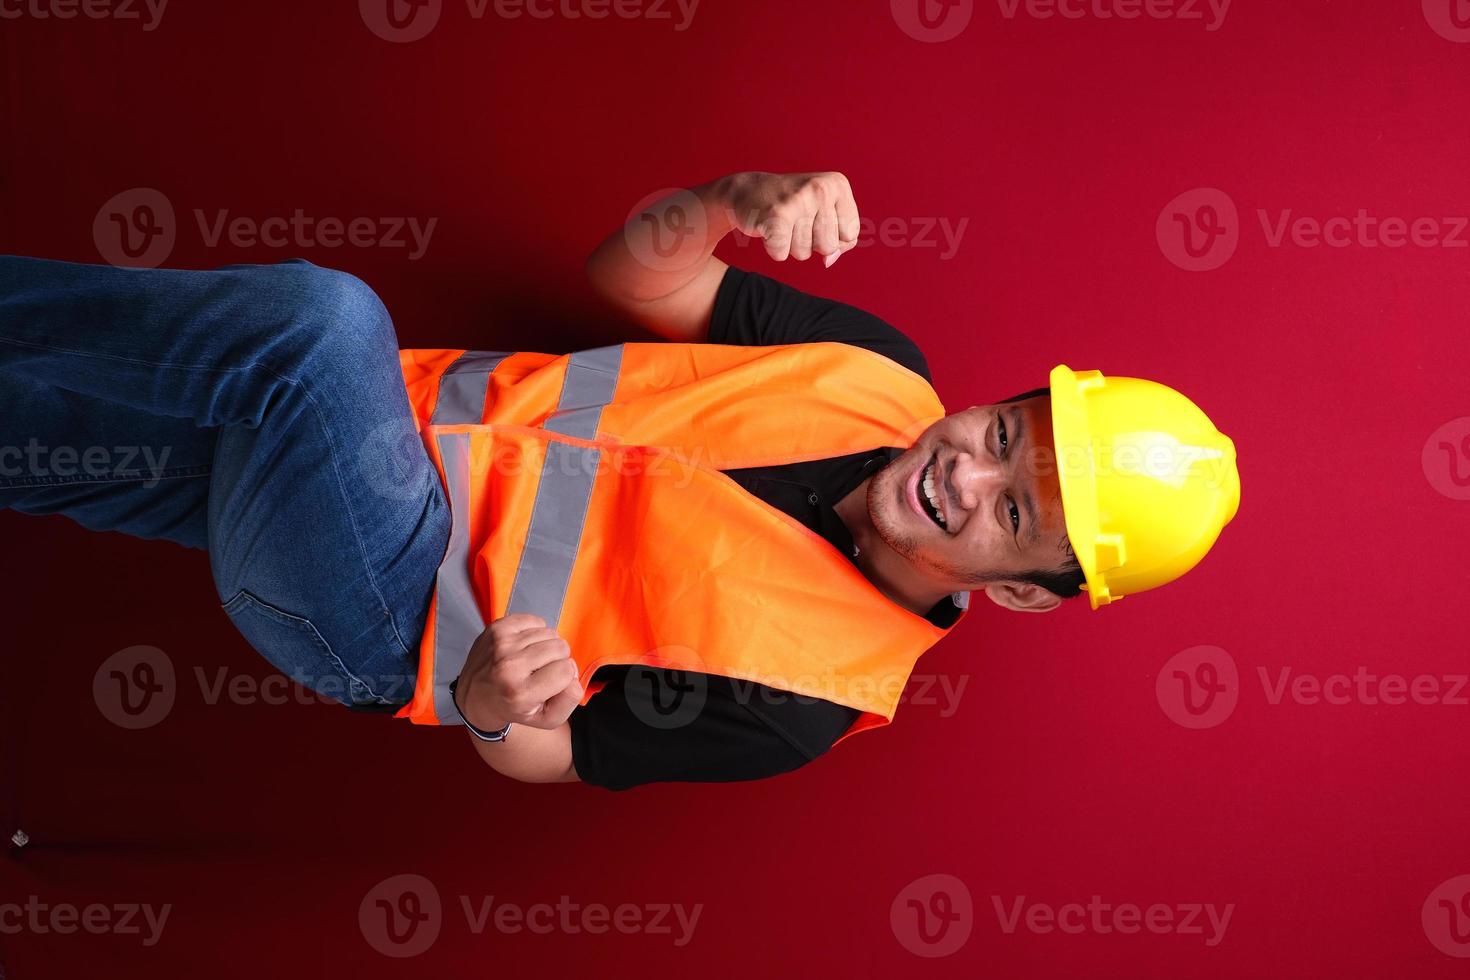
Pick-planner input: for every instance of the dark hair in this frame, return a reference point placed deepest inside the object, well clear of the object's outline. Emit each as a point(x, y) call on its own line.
point(1066, 579)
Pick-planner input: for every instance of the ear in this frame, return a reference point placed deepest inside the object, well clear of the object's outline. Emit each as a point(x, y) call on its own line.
point(1022, 597)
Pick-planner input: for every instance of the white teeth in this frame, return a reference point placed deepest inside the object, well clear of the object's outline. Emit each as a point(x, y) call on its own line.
point(929, 491)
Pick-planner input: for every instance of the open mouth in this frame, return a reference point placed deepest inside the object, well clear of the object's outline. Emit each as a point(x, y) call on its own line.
point(929, 494)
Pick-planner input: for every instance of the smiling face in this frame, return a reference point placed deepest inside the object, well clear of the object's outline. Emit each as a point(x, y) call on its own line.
point(975, 502)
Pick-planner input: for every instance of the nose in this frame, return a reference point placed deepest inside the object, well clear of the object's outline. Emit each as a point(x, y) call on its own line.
point(973, 478)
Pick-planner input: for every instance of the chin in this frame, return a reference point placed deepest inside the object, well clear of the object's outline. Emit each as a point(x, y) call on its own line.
point(882, 502)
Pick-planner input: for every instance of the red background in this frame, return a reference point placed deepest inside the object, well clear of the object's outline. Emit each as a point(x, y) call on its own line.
point(1059, 777)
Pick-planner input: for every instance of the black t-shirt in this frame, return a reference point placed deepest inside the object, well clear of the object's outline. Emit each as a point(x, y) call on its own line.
point(651, 725)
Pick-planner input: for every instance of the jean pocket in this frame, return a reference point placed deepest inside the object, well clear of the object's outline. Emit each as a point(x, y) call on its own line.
point(295, 647)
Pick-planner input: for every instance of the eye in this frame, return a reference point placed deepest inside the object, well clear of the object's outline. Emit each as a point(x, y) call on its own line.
point(1000, 434)
point(1015, 514)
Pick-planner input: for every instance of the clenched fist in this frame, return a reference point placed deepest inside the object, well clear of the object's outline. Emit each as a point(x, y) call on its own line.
point(519, 671)
point(795, 215)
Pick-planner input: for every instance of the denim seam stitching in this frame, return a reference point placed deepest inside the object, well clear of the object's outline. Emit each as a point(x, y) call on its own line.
point(307, 628)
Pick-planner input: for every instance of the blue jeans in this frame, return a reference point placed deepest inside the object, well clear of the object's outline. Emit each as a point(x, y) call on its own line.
point(257, 412)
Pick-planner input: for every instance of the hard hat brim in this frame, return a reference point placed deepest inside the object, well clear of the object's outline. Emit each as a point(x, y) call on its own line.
point(1077, 476)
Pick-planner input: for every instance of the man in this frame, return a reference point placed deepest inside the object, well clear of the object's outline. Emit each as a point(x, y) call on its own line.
point(648, 562)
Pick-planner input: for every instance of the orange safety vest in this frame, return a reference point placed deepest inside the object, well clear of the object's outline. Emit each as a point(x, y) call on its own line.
point(586, 489)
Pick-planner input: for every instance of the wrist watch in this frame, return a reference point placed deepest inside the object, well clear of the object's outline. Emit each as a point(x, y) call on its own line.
point(479, 733)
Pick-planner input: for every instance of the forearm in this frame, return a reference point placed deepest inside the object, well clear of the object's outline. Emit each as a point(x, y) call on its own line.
point(659, 269)
point(531, 755)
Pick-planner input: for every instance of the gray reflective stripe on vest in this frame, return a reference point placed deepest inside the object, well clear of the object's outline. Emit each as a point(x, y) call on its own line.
point(462, 388)
point(457, 621)
point(565, 485)
point(552, 540)
point(589, 385)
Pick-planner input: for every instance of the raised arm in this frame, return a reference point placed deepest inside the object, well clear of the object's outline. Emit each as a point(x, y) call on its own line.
point(659, 269)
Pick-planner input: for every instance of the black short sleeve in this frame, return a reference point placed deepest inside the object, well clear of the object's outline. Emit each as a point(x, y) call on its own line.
point(754, 310)
point(650, 725)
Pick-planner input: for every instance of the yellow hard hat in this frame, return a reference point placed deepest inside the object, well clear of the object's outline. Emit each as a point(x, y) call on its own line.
point(1147, 480)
